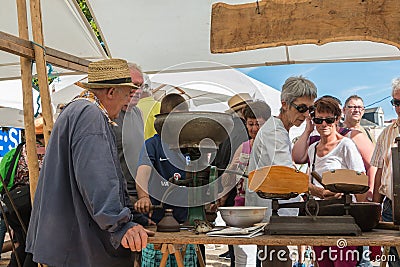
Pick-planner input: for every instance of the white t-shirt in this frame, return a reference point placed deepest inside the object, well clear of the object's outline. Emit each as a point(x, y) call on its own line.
point(344, 156)
point(271, 146)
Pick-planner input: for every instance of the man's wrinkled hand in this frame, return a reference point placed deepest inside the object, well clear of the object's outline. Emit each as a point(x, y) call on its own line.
point(136, 238)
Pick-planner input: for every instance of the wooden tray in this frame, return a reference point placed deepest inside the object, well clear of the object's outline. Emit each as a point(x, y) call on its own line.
point(345, 181)
point(278, 180)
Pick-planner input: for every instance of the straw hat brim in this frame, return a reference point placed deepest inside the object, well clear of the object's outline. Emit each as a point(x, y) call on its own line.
point(107, 85)
point(236, 108)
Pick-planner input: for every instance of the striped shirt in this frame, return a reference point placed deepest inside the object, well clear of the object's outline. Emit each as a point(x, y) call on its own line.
point(382, 157)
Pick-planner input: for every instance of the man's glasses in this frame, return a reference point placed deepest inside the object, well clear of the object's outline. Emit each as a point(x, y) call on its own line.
point(395, 102)
point(138, 85)
point(330, 120)
point(303, 108)
point(356, 107)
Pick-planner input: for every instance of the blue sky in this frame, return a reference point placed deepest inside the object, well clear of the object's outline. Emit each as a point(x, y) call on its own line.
point(370, 80)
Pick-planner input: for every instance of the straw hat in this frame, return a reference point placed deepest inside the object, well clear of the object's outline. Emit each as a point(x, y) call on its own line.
point(238, 101)
point(108, 73)
point(39, 125)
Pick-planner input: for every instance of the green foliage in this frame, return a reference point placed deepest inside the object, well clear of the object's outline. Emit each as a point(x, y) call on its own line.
point(85, 9)
point(35, 82)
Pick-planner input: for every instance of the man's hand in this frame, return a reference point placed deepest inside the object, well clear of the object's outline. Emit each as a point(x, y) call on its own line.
point(143, 205)
point(136, 238)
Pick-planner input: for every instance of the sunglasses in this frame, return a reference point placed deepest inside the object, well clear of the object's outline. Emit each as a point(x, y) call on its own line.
point(395, 102)
point(303, 108)
point(317, 120)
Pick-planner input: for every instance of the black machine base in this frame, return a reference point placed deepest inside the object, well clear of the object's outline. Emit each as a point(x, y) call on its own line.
point(312, 225)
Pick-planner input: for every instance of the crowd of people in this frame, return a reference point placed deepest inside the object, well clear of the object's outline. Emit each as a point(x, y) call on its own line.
point(103, 169)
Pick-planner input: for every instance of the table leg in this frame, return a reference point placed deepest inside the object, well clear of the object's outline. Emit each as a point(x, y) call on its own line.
point(165, 254)
point(184, 251)
point(385, 254)
point(167, 249)
point(177, 253)
point(200, 256)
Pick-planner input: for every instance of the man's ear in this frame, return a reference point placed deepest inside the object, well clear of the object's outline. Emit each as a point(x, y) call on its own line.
point(110, 92)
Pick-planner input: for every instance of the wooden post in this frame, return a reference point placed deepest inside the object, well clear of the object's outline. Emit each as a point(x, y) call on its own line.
point(37, 31)
point(26, 78)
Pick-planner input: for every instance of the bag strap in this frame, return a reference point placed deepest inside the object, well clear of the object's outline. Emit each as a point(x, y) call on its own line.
point(344, 131)
point(315, 155)
point(368, 134)
point(12, 165)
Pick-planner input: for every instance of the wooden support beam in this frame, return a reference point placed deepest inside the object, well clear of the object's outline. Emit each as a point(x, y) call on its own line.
point(275, 23)
point(27, 96)
point(15, 48)
point(24, 48)
point(37, 30)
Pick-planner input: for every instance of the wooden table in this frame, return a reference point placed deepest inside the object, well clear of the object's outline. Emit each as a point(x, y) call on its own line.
point(170, 241)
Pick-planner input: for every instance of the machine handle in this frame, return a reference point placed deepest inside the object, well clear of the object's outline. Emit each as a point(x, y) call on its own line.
point(234, 172)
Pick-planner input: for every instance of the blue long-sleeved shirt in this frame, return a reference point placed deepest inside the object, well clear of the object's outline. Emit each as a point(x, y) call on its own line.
point(81, 207)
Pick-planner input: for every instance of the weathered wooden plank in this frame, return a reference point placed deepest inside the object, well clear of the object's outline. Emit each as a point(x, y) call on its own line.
point(288, 22)
point(24, 48)
point(27, 97)
point(374, 238)
point(40, 58)
point(15, 48)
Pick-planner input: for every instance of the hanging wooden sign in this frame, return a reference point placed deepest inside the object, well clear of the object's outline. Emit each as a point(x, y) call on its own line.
point(273, 23)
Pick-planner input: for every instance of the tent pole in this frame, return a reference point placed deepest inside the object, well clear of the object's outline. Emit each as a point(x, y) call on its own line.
point(26, 78)
point(37, 31)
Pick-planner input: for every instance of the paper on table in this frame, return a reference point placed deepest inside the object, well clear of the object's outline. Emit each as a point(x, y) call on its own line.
point(239, 232)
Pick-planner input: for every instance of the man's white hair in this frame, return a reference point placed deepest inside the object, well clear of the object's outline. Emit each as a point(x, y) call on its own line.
point(395, 85)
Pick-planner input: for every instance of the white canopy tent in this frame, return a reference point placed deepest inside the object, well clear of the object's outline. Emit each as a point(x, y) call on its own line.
point(227, 82)
point(64, 29)
point(11, 114)
point(161, 35)
point(208, 90)
point(11, 117)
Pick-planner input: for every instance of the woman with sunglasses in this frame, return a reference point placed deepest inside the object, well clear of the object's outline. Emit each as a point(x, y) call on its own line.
point(272, 146)
point(364, 145)
point(333, 151)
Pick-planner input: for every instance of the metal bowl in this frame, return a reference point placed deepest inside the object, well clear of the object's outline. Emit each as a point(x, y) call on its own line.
point(196, 129)
point(244, 216)
point(366, 214)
